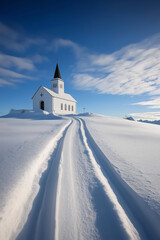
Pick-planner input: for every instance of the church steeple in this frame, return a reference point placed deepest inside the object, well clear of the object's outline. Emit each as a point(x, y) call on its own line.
point(57, 72)
point(57, 84)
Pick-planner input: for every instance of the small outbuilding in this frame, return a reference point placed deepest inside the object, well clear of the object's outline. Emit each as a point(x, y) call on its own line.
point(54, 100)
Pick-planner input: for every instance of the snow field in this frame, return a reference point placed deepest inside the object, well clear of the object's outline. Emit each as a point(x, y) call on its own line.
point(133, 150)
point(125, 221)
point(72, 186)
point(19, 200)
point(78, 202)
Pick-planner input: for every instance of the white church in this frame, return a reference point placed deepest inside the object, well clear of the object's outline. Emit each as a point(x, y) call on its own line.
point(54, 100)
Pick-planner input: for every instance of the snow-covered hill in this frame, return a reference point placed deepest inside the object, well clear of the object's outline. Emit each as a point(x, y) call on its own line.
point(80, 177)
point(134, 151)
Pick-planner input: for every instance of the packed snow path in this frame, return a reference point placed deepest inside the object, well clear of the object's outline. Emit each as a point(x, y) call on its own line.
point(81, 197)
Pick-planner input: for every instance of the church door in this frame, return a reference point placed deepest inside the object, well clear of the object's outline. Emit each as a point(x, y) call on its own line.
point(42, 105)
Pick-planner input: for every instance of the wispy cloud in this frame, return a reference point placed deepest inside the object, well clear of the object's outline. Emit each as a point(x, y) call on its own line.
point(5, 82)
point(153, 103)
point(13, 40)
point(77, 49)
point(9, 38)
point(146, 115)
point(9, 77)
point(133, 70)
point(37, 58)
point(8, 73)
point(14, 68)
point(20, 63)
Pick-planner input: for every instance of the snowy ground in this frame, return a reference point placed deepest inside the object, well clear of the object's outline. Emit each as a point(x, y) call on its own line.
point(78, 177)
point(133, 149)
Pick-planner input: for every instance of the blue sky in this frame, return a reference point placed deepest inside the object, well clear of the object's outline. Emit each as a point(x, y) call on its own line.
point(108, 53)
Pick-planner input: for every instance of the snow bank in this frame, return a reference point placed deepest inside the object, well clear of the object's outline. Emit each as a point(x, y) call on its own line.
point(25, 147)
point(30, 114)
point(133, 149)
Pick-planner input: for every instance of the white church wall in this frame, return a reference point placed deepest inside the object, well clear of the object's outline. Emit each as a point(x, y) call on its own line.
point(42, 95)
point(62, 106)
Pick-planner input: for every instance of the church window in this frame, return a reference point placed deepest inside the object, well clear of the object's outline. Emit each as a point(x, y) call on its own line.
point(42, 105)
point(65, 106)
point(54, 85)
point(61, 106)
point(60, 85)
point(72, 108)
point(68, 107)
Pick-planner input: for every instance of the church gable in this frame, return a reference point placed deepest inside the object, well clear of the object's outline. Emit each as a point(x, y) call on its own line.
point(42, 100)
point(41, 92)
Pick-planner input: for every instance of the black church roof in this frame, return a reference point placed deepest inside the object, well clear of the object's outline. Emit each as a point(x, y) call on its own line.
point(57, 72)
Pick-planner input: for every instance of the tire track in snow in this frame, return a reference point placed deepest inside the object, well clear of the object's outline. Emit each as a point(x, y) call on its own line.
point(75, 215)
point(66, 226)
point(66, 172)
point(46, 224)
point(125, 221)
point(59, 184)
point(40, 222)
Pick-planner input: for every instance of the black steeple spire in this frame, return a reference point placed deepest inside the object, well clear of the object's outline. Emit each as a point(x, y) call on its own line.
point(57, 72)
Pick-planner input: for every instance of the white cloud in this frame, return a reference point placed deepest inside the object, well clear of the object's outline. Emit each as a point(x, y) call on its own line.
point(101, 60)
point(77, 49)
point(154, 103)
point(9, 38)
point(12, 40)
point(10, 78)
point(146, 116)
point(12, 61)
point(87, 80)
point(12, 67)
point(133, 70)
point(39, 59)
point(9, 81)
point(4, 82)
point(8, 73)
point(129, 71)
